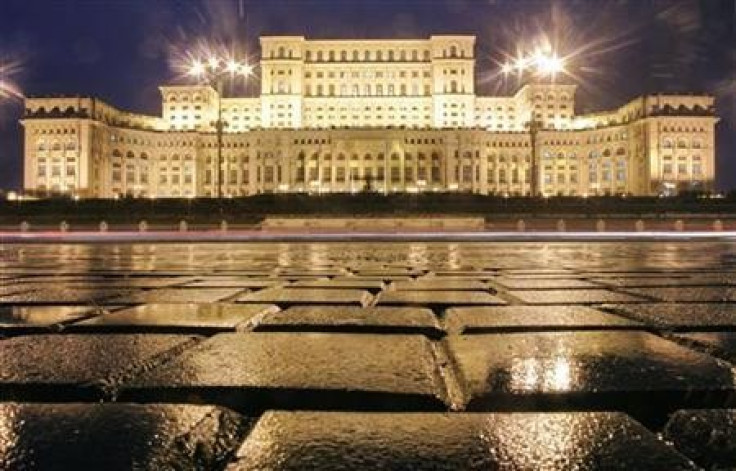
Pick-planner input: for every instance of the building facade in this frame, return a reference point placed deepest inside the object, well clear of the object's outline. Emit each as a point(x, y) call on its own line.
point(380, 115)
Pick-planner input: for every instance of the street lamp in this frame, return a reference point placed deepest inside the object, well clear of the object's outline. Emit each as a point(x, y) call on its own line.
point(214, 71)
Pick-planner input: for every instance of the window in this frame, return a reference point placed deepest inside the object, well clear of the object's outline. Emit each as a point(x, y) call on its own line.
point(395, 174)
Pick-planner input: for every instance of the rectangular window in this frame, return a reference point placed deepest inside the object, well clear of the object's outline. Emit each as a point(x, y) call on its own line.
point(268, 174)
point(395, 175)
point(467, 173)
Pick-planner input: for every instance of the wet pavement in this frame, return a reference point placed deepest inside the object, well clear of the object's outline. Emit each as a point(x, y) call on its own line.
point(442, 356)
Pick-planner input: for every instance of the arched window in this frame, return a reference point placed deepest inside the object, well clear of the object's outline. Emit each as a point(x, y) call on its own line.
point(681, 144)
point(379, 56)
point(415, 55)
point(391, 56)
point(667, 143)
point(453, 51)
point(319, 56)
point(367, 55)
point(282, 52)
point(426, 55)
point(356, 56)
point(453, 86)
point(332, 56)
point(344, 56)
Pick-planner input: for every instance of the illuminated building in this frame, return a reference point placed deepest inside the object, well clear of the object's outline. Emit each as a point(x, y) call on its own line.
point(384, 115)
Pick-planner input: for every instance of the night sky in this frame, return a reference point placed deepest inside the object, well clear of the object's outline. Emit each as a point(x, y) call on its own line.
point(122, 50)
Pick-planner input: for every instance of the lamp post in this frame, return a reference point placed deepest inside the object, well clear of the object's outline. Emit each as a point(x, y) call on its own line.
point(544, 64)
point(214, 72)
point(534, 127)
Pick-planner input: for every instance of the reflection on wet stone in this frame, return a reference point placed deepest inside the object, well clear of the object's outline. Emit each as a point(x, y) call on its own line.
point(633, 371)
point(287, 441)
point(417, 334)
point(527, 318)
point(708, 437)
point(117, 436)
point(324, 371)
point(65, 367)
point(201, 318)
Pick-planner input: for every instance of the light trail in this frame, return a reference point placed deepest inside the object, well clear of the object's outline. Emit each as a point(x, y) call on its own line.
point(418, 236)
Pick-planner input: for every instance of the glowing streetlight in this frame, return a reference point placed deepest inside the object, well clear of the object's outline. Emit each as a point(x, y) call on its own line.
point(214, 71)
point(549, 65)
point(541, 63)
point(197, 69)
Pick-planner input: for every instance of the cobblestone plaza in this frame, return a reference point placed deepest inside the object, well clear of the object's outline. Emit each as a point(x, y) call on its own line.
point(292, 356)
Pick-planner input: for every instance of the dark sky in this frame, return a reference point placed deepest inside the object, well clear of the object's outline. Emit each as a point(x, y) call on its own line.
point(122, 50)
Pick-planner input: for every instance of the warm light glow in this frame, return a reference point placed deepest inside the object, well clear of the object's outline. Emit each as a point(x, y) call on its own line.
point(550, 65)
point(197, 69)
point(246, 69)
point(233, 66)
point(213, 63)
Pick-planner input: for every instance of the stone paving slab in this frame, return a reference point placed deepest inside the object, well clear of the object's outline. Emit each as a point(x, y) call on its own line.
point(77, 367)
point(614, 370)
point(706, 436)
point(291, 296)
point(435, 284)
point(57, 295)
point(296, 441)
point(720, 344)
point(17, 319)
point(686, 316)
point(343, 283)
point(437, 298)
point(470, 320)
point(118, 436)
point(191, 318)
point(688, 294)
point(574, 296)
point(178, 295)
point(544, 283)
point(130, 282)
point(352, 319)
point(307, 371)
point(661, 282)
point(245, 283)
